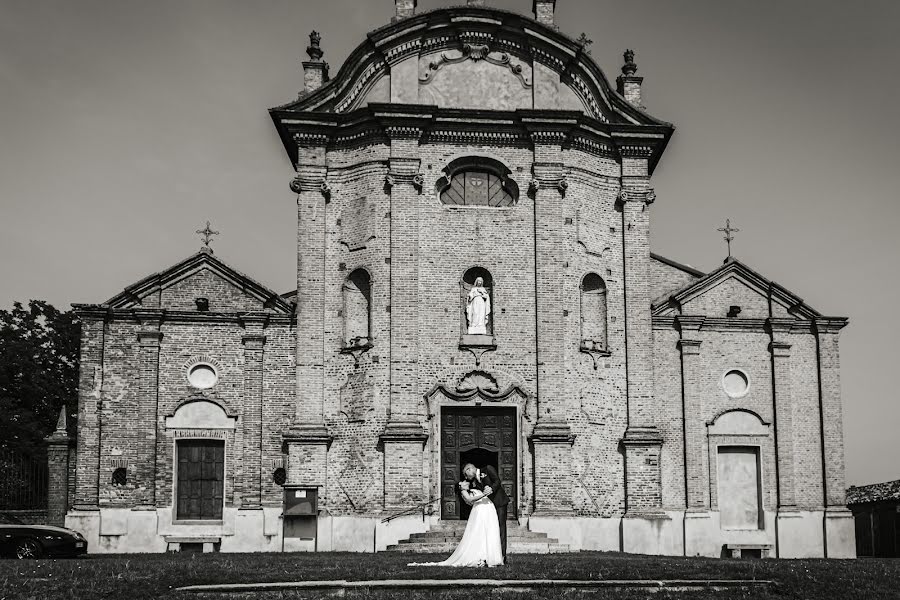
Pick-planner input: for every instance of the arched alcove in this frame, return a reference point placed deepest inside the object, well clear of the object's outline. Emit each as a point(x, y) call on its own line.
point(478, 307)
point(357, 291)
point(593, 313)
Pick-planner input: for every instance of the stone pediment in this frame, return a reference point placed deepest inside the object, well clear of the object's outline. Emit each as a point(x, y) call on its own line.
point(735, 285)
point(201, 275)
point(472, 57)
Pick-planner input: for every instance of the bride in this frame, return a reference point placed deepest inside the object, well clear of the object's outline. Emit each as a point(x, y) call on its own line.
point(480, 543)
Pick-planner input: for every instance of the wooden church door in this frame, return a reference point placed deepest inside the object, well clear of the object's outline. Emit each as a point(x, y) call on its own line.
point(481, 436)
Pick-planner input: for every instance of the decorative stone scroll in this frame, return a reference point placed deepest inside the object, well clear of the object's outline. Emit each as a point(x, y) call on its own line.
point(476, 52)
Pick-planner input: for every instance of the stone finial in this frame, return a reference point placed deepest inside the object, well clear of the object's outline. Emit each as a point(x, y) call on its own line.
point(629, 68)
point(404, 9)
point(62, 423)
point(475, 2)
point(544, 12)
point(315, 70)
point(628, 84)
point(585, 42)
point(314, 50)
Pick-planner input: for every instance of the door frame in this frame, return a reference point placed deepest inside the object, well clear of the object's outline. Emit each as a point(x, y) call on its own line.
point(514, 398)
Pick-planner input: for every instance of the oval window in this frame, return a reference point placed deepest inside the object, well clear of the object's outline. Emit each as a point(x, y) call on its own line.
point(736, 383)
point(202, 376)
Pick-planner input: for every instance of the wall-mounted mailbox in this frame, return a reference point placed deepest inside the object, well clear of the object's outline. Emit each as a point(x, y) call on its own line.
point(301, 510)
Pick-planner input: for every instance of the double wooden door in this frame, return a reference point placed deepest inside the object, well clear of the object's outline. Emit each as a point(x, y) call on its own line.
point(201, 479)
point(481, 436)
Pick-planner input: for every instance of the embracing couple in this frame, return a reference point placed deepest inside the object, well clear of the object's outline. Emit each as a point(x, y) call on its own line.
point(484, 541)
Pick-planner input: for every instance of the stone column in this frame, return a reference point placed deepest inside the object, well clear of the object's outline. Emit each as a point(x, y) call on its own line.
point(251, 461)
point(90, 379)
point(552, 437)
point(58, 444)
point(840, 534)
point(149, 337)
point(307, 439)
point(642, 440)
point(404, 436)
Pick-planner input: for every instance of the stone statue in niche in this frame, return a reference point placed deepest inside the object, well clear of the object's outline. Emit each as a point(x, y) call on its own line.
point(478, 308)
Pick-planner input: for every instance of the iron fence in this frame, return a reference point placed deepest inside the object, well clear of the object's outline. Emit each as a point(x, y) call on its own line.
point(23, 481)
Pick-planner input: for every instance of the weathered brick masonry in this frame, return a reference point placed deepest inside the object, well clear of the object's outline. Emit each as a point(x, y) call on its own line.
point(630, 401)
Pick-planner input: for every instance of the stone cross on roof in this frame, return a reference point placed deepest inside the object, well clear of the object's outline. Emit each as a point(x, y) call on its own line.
point(207, 234)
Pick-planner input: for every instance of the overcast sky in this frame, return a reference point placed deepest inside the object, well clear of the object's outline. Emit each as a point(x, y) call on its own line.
point(125, 125)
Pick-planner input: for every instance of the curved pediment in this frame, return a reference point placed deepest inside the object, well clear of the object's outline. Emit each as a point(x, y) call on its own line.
point(472, 58)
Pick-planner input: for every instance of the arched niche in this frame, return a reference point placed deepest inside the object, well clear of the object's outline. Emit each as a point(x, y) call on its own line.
point(593, 313)
point(470, 282)
point(357, 292)
point(200, 414)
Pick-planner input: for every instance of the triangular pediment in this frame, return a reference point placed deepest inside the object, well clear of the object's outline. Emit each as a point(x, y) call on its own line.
point(735, 285)
point(201, 275)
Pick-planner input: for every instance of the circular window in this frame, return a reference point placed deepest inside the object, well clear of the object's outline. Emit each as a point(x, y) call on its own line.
point(202, 376)
point(736, 383)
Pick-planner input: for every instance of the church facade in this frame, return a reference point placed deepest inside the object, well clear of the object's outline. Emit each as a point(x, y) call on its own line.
point(474, 284)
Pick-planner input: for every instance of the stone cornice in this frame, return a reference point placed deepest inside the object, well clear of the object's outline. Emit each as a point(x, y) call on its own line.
point(830, 325)
point(666, 322)
point(380, 123)
point(101, 311)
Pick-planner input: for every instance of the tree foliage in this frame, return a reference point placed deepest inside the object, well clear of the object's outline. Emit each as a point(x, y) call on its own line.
point(39, 348)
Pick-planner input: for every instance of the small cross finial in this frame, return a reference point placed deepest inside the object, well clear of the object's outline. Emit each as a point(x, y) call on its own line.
point(584, 41)
point(207, 234)
point(728, 230)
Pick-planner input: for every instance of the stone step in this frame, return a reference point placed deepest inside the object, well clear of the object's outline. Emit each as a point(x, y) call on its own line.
point(514, 547)
point(450, 536)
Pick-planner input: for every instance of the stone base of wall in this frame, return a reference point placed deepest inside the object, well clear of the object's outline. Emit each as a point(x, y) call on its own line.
point(840, 533)
point(125, 530)
point(794, 534)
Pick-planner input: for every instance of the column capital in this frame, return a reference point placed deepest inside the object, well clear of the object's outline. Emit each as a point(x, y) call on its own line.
point(642, 436)
point(689, 347)
point(149, 337)
point(780, 349)
point(311, 179)
point(549, 432)
point(410, 431)
point(687, 323)
point(307, 434)
point(829, 325)
point(149, 318)
point(645, 196)
point(253, 341)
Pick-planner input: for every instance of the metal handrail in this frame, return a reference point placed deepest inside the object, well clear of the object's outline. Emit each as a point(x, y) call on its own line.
point(406, 511)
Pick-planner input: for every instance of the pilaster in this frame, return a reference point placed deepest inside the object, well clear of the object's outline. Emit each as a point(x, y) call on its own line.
point(90, 380)
point(696, 456)
point(642, 440)
point(254, 342)
point(840, 533)
point(552, 437)
point(404, 435)
point(149, 338)
point(307, 439)
point(780, 348)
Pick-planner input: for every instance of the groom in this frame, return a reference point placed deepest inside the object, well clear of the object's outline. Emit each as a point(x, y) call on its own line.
point(489, 482)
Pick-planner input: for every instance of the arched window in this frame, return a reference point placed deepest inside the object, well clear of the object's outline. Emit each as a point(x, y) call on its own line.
point(477, 181)
point(477, 302)
point(593, 313)
point(357, 309)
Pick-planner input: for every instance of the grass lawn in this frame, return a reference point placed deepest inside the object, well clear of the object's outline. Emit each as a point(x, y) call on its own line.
point(142, 576)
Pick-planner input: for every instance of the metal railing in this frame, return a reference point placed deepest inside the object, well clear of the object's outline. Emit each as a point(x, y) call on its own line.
point(23, 481)
point(408, 511)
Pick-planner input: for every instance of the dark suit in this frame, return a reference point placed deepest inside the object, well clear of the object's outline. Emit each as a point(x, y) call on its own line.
point(498, 497)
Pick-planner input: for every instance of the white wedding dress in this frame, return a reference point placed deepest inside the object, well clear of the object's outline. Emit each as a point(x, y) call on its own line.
point(480, 543)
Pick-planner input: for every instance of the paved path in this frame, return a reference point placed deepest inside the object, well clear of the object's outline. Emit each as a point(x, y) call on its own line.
point(684, 585)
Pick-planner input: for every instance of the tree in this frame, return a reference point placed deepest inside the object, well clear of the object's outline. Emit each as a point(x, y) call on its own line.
point(39, 348)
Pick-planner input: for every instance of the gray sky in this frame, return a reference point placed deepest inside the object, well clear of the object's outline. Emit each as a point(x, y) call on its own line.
point(125, 125)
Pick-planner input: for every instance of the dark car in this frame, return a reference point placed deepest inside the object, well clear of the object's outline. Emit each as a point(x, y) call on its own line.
point(36, 541)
